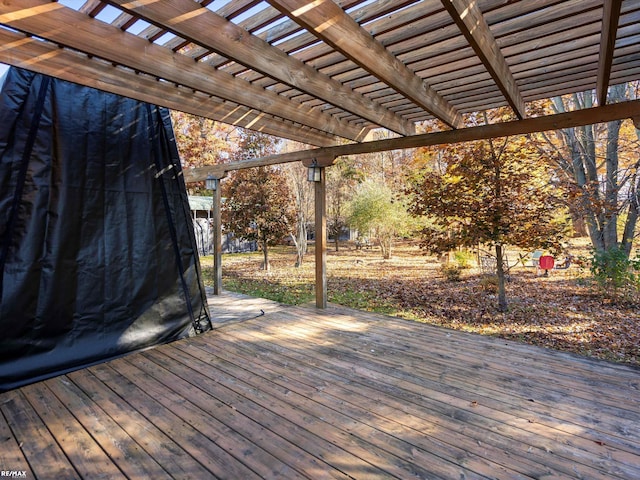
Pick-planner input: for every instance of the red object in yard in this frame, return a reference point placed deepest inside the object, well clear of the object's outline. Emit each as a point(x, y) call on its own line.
point(546, 262)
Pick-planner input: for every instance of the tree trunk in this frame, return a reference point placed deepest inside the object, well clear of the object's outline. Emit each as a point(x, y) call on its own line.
point(300, 242)
point(587, 180)
point(385, 243)
point(582, 167)
point(610, 227)
point(265, 255)
point(386, 249)
point(502, 294)
point(632, 220)
point(634, 210)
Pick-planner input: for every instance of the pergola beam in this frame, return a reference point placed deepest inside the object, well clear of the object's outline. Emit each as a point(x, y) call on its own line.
point(474, 27)
point(43, 57)
point(610, 18)
point(224, 37)
point(577, 118)
point(333, 25)
point(59, 24)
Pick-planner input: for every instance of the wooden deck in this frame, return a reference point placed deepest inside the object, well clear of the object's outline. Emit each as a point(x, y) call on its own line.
point(295, 393)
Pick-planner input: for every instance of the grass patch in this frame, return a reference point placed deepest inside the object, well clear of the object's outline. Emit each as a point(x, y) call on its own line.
point(367, 301)
point(293, 294)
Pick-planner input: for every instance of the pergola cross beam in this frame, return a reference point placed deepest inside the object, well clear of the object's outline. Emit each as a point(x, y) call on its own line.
point(474, 27)
point(610, 18)
point(59, 24)
point(577, 118)
point(330, 23)
point(192, 21)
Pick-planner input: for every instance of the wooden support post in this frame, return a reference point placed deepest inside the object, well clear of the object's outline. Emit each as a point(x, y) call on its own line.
point(317, 175)
point(321, 240)
point(217, 238)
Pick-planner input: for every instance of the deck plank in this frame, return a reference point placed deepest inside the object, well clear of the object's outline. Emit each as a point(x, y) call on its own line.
point(376, 434)
point(460, 402)
point(85, 454)
point(158, 443)
point(11, 456)
point(204, 413)
point(42, 452)
point(501, 380)
point(388, 408)
point(201, 448)
point(283, 426)
point(300, 393)
point(118, 445)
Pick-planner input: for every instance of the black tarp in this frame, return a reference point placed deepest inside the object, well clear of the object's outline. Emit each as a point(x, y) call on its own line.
point(97, 251)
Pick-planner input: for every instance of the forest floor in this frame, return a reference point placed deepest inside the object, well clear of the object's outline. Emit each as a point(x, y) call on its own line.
point(563, 311)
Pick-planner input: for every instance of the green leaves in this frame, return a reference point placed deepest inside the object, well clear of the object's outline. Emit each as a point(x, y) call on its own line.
point(616, 274)
point(375, 211)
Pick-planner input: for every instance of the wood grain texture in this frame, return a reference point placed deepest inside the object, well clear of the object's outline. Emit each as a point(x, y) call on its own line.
point(333, 394)
point(343, 67)
point(517, 127)
point(205, 28)
point(48, 59)
point(331, 24)
point(610, 17)
point(475, 29)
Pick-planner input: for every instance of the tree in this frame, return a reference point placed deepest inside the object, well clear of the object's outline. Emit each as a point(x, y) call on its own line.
point(342, 179)
point(600, 166)
point(303, 195)
point(374, 209)
point(258, 201)
point(257, 207)
point(495, 192)
point(202, 141)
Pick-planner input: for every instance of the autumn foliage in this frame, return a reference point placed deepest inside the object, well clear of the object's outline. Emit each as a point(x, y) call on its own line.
point(493, 193)
point(258, 202)
point(488, 194)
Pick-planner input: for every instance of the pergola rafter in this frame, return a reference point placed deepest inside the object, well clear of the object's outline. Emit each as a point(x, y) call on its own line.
point(201, 26)
point(610, 18)
point(331, 24)
point(474, 27)
point(49, 59)
point(60, 24)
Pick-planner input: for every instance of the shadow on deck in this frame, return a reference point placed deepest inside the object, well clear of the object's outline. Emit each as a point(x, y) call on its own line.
point(289, 392)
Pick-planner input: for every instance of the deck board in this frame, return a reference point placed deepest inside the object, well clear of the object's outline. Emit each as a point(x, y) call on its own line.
point(290, 392)
point(10, 451)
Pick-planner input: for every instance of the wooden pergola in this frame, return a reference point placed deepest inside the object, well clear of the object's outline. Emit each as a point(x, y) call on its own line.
point(327, 72)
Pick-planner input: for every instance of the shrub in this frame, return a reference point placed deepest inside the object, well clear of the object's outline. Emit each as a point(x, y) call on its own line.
point(615, 274)
point(451, 272)
point(463, 258)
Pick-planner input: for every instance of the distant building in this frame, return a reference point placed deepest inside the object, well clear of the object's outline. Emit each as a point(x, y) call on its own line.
point(203, 228)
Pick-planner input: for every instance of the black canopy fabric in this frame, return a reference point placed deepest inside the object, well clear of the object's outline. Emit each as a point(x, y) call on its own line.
point(97, 251)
